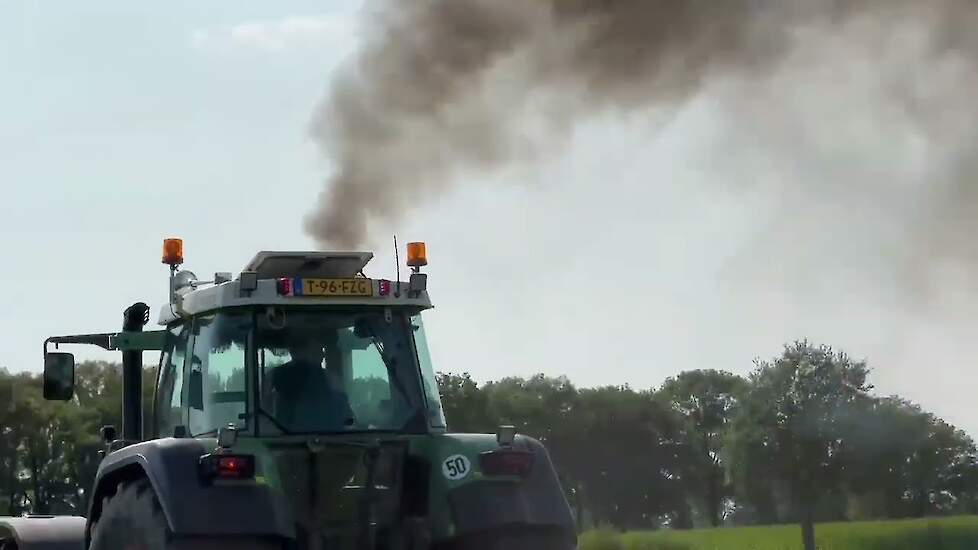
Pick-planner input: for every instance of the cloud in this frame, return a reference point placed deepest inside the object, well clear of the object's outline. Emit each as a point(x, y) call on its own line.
point(277, 35)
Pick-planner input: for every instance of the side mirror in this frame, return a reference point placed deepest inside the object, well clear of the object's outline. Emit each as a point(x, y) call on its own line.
point(59, 376)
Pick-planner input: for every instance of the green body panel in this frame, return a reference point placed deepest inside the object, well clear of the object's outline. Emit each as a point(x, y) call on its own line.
point(139, 341)
point(345, 460)
point(437, 449)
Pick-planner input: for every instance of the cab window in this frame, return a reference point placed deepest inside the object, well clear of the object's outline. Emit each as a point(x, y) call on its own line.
point(217, 385)
point(169, 398)
point(436, 415)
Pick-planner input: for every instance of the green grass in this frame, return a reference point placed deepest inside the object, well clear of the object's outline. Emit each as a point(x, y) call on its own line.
point(957, 533)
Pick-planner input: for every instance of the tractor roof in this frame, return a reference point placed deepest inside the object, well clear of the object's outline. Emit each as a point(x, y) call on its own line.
point(310, 279)
point(327, 265)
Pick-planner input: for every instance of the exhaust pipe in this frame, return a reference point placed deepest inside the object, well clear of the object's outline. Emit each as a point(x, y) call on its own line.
point(134, 318)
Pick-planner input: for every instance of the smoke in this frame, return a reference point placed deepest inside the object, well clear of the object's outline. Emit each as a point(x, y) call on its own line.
point(857, 115)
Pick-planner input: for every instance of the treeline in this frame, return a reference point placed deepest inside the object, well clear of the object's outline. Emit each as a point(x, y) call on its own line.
point(48, 449)
point(801, 438)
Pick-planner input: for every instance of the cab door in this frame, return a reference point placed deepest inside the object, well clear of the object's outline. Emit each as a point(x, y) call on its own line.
point(169, 412)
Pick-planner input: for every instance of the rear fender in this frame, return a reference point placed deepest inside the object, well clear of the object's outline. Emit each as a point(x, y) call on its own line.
point(477, 503)
point(192, 508)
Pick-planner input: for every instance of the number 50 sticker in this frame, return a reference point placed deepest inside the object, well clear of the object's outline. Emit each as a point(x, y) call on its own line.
point(456, 467)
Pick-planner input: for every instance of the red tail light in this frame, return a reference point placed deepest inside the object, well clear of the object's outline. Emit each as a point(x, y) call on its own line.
point(506, 462)
point(234, 466)
point(284, 286)
point(226, 467)
point(383, 287)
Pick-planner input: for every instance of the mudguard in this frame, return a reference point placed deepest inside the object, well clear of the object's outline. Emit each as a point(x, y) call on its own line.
point(44, 532)
point(190, 506)
point(480, 503)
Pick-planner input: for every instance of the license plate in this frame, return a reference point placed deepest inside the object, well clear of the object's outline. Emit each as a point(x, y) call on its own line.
point(333, 287)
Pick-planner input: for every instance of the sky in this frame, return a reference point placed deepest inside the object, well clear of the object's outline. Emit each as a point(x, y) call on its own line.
point(609, 260)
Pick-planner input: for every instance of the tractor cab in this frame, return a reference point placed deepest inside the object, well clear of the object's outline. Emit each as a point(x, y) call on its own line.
point(300, 343)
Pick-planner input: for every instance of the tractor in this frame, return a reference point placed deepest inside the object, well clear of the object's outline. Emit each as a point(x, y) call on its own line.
point(295, 408)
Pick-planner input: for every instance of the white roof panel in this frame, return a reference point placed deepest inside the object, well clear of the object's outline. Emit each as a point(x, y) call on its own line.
point(272, 265)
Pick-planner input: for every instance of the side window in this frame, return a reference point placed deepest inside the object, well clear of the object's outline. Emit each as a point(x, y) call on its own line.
point(369, 386)
point(217, 385)
point(169, 397)
point(436, 415)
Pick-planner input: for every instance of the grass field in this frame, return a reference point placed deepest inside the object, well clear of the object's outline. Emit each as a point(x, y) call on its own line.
point(957, 533)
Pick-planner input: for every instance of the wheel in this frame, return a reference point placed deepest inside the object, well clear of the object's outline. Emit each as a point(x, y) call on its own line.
point(132, 519)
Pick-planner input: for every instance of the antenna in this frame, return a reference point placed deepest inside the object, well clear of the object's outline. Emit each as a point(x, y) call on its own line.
point(397, 269)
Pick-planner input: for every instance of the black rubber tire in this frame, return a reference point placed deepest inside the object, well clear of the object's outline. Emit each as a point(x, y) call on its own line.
point(132, 519)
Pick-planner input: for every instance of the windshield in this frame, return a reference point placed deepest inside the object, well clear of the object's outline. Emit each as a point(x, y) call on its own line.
point(324, 371)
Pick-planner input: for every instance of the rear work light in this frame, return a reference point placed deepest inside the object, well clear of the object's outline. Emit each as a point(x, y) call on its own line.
point(221, 466)
point(506, 462)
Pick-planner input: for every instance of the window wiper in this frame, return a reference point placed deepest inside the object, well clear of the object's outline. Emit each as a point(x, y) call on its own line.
point(260, 411)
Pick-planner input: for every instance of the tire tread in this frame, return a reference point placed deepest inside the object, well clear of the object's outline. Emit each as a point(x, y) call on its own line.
point(132, 519)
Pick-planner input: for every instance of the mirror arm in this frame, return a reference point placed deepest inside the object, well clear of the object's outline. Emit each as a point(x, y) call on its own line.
point(150, 340)
point(103, 341)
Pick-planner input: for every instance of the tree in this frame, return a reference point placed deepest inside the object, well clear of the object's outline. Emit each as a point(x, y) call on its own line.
point(628, 457)
point(48, 450)
point(881, 441)
point(465, 405)
point(539, 405)
point(706, 401)
point(13, 418)
point(793, 423)
point(908, 462)
point(938, 468)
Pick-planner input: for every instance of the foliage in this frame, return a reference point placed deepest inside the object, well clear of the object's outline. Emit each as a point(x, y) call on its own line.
point(48, 450)
point(802, 435)
point(705, 401)
point(794, 424)
point(465, 403)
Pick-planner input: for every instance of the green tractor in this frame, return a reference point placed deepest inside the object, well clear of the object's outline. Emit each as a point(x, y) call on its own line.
point(296, 407)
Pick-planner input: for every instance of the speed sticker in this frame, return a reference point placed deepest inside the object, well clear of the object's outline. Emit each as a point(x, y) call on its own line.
point(456, 467)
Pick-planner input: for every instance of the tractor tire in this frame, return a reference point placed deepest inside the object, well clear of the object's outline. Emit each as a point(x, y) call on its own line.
point(132, 519)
